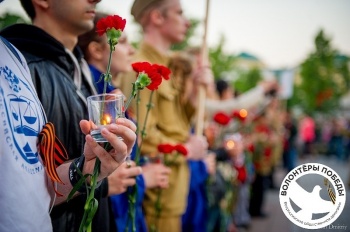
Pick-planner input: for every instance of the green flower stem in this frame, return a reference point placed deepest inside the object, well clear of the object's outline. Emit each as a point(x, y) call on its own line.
point(132, 195)
point(170, 162)
point(158, 204)
point(138, 150)
point(91, 203)
point(143, 131)
point(132, 209)
point(138, 99)
point(158, 208)
point(128, 102)
point(107, 76)
point(108, 71)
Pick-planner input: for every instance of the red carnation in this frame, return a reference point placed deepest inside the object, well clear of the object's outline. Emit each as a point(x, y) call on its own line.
point(221, 118)
point(111, 21)
point(156, 80)
point(163, 71)
point(166, 148)
point(251, 148)
point(141, 66)
point(181, 149)
point(241, 173)
point(151, 80)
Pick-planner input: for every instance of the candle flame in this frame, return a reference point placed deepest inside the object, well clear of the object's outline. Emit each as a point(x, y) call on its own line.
point(106, 119)
point(230, 144)
point(243, 113)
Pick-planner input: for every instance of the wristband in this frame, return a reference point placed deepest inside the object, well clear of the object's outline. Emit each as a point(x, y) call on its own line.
point(74, 175)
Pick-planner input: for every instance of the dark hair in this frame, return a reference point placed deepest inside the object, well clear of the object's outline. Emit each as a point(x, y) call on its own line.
point(28, 8)
point(221, 86)
point(85, 39)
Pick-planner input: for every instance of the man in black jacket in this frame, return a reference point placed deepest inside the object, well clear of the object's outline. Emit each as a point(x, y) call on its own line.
point(62, 80)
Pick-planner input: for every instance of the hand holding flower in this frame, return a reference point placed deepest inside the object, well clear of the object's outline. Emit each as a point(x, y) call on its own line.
point(197, 147)
point(170, 154)
point(122, 178)
point(148, 76)
point(156, 175)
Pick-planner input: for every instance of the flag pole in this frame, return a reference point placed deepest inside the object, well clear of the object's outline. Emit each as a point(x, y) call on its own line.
point(199, 127)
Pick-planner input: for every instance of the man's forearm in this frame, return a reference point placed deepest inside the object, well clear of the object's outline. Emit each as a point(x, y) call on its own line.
point(65, 188)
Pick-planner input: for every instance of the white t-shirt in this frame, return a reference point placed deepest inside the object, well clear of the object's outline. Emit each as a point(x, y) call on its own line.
point(24, 197)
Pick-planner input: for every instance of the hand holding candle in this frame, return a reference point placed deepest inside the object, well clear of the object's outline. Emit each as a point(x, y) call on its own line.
point(104, 109)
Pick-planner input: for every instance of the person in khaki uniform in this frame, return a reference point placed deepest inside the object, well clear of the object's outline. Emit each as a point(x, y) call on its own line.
point(169, 120)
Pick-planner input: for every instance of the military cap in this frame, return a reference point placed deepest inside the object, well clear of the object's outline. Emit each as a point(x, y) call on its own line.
point(140, 5)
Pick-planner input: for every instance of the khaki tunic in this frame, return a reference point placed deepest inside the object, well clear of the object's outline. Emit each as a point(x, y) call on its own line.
point(168, 122)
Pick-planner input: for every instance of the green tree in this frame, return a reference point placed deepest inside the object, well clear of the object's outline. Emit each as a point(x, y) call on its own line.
point(324, 78)
point(220, 61)
point(247, 80)
point(8, 19)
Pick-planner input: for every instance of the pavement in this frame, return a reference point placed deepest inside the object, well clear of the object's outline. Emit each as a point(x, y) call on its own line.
point(278, 222)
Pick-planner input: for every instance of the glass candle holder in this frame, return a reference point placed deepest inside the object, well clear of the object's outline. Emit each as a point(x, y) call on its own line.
point(104, 109)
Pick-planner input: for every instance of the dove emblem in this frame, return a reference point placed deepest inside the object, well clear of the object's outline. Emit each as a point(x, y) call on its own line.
point(305, 208)
point(310, 203)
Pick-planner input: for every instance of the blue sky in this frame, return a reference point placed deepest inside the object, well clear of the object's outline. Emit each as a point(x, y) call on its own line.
point(279, 32)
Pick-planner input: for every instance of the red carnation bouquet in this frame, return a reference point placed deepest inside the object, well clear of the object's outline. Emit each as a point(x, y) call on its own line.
point(222, 124)
point(148, 76)
point(169, 154)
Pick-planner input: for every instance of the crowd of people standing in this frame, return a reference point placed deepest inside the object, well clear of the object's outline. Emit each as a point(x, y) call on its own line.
point(54, 64)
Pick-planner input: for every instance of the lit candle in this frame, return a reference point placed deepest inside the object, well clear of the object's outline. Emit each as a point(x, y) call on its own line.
point(243, 113)
point(230, 144)
point(106, 119)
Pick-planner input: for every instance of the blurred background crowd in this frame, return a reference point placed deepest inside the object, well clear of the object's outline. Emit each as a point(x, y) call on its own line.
point(258, 121)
